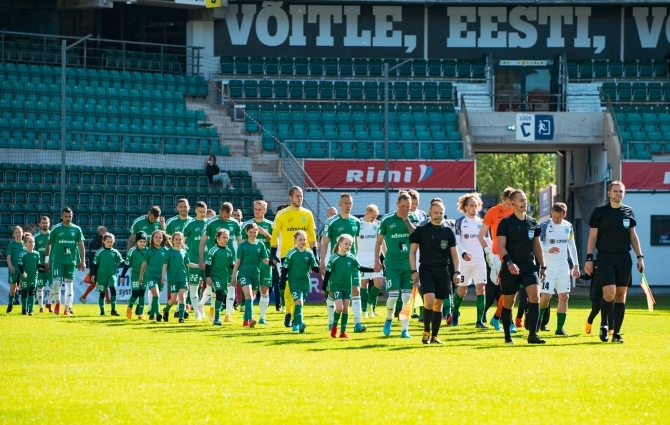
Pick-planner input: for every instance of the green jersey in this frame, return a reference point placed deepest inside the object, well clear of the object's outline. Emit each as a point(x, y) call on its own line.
point(215, 224)
point(134, 260)
point(299, 265)
point(141, 224)
point(220, 260)
point(14, 249)
point(65, 243)
point(265, 224)
point(251, 257)
point(396, 236)
point(342, 269)
point(176, 224)
point(41, 240)
point(154, 257)
point(177, 265)
point(337, 226)
point(192, 234)
point(107, 261)
point(29, 262)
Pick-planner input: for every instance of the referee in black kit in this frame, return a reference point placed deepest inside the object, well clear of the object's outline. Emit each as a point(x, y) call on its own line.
point(521, 250)
point(437, 242)
point(613, 233)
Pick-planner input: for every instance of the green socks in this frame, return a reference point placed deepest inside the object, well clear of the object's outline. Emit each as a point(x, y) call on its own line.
point(182, 307)
point(542, 310)
point(447, 306)
point(561, 320)
point(336, 318)
point(248, 309)
point(131, 302)
point(481, 304)
point(140, 305)
point(155, 306)
point(345, 319)
point(364, 300)
point(113, 299)
point(24, 299)
point(30, 303)
point(297, 320)
point(458, 300)
point(372, 296)
point(168, 307)
point(101, 303)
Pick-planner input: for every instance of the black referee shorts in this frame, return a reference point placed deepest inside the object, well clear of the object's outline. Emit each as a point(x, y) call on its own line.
point(512, 283)
point(435, 280)
point(614, 269)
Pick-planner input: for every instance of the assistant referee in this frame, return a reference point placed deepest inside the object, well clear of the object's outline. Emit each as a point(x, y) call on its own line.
point(521, 251)
point(437, 244)
point(613, 233)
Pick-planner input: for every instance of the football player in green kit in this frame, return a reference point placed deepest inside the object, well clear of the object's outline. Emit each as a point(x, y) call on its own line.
point(151, 273)
point(43, 279)
point(264, 236)
point(340, 273)
point(217, 269)
point(193, 231)
point(250, 254)
point(175, 273)
point(13, 253)
point(298, 264)
point(103, 271)
point(29, 267)
point(66, 248)
point(134, 260)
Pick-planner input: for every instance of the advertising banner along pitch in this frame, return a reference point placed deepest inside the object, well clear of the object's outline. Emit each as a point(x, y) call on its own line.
point(441, 175)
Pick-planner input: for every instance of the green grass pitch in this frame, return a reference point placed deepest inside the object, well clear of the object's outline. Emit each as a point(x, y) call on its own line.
point(102, 370)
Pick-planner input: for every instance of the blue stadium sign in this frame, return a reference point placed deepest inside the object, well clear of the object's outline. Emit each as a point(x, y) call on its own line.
point(531, 127)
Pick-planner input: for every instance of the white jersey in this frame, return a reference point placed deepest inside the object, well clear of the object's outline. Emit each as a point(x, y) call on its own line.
point(366, 243)
point(467, 240)
point(561, 236)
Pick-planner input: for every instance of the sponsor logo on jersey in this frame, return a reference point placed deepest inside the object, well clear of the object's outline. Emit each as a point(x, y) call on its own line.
point(295, 229)
point(367, 236)
point(399, 235)
point(468, 236)
point(66, 241)
point(557, 241)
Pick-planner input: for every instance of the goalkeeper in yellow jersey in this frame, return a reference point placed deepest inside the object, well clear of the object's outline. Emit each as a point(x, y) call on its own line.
point(287, 222)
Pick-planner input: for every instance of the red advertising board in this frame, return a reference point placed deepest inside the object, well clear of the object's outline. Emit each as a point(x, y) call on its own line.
point(364, 174)
point(645, 175)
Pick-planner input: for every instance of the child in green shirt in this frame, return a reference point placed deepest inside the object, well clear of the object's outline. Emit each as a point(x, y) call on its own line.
point(104, 270)
point(339, 279)
point(250, 254)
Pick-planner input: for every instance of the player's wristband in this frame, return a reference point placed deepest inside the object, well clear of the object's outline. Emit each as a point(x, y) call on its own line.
point(457, 272)
point(413, 271)
point(506, 259)
point(46, 260)
point(464, 254)
point(589, 257)
point(640, 256)
point(543, 267)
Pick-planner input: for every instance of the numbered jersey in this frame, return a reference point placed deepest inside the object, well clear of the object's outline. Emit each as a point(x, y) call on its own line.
point(559, 236)
point(65, 243)
point(367, 239)
point(467, 232)
point(193, 232)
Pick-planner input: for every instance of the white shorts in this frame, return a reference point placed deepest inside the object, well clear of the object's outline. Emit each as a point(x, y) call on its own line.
point(473, 273)
point(371, 275)
point(558, 280)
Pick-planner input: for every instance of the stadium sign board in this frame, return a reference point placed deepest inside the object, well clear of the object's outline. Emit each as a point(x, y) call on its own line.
point(645, 175)
point(369, 174)
point(520, 32)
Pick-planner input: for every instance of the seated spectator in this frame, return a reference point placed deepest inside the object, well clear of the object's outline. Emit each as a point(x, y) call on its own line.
point(215, 175)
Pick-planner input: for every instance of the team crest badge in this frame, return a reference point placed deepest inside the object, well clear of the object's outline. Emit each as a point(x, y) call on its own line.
point(567, 231)
point(443, 244)
point(349, 263)
point(531, 234)
point(626, 223)
point(479, 226)
point(374, 228)
point(304, 219)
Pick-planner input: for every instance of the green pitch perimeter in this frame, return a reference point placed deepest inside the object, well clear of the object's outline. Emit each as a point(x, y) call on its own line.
point(102, 370)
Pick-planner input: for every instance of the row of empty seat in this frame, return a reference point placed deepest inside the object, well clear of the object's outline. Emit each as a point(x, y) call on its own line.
point(636, 92)
point(367, 150)
point(341, 90)
point(345, 67)
point(617, 69)
point(34, 75)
